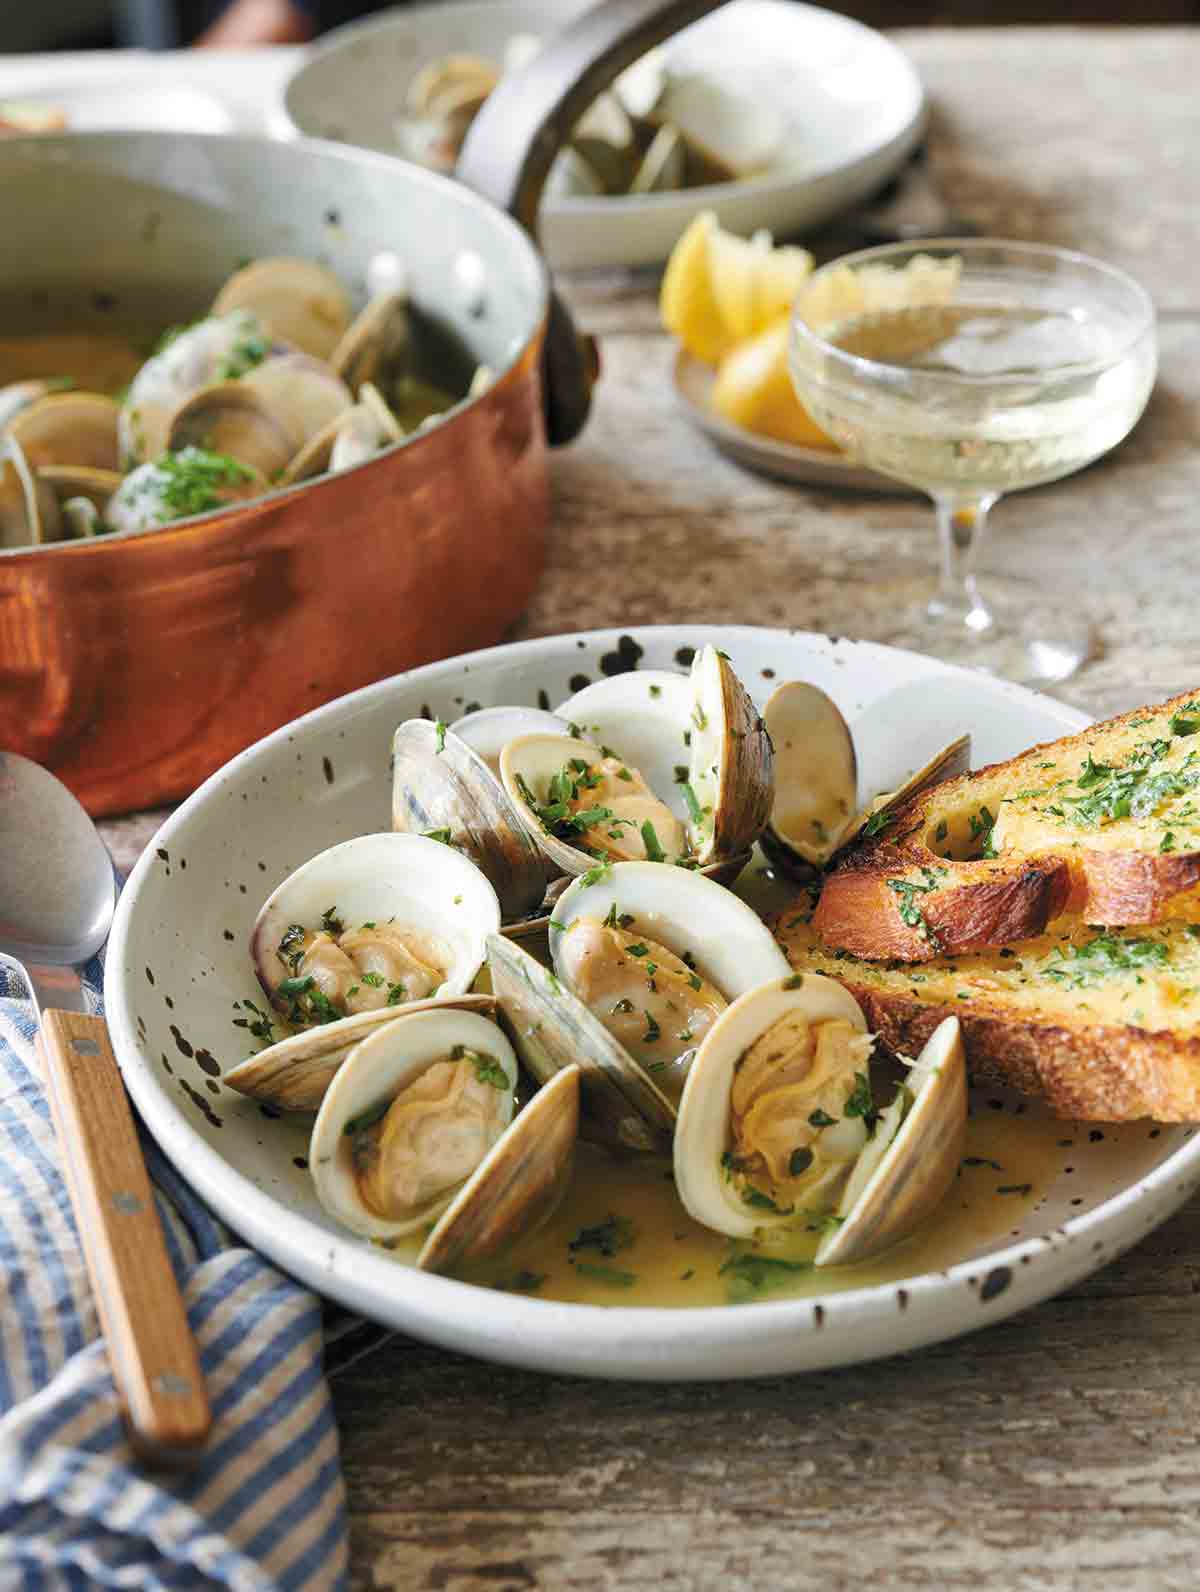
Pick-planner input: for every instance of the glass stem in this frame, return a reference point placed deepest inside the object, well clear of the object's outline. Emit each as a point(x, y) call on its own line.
point(961, 521)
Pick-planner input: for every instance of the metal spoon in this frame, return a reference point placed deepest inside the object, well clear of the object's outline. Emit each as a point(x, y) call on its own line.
point(57, 894)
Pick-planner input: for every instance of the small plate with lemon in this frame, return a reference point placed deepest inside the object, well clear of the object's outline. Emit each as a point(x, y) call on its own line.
point(728, 301)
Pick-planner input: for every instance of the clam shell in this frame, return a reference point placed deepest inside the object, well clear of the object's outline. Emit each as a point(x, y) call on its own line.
point(517, 1185)
point(439, 783)
point(551, 1030)
point(80, 481)
point(296, 302)
point(232, 419)
point(664, 165)
point(374, 340)
point(687, 913)
point(378, 1067)
point(816, 777)
point(295, 1072)
point(81, 517)
point(69, 428)
point(952, 760)
point(488, 731)
point(702, 1133)
point(737, 134)
point(303, 393)
point(433, 895)
point(907, 1182)
point(728, 731)
point(674, 728)
point(16, 396)
point(29, 511)
point(372, 399)
point(316, 456)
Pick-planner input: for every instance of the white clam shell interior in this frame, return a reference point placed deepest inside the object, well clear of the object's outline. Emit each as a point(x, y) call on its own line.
point(428, 890)
point(681, 909)
point(642, 716)
point(702, 1126)
point(380, 1067)
point(487, 731)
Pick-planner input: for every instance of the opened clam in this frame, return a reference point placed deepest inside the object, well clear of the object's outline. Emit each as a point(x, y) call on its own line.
point(29, 510)
point(409, 1116)
point(656, 955)
point(675, 769)
point(441, 786)
point(69, 428)
point(772, 1129)
point(296, 302)
point(371, 923)
point(815, 812)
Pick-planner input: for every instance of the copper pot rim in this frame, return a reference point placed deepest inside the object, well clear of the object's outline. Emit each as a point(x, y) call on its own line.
point(344, 154)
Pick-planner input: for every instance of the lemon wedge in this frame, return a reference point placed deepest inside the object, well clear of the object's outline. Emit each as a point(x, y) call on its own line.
point(687, 302)
point(754, 390)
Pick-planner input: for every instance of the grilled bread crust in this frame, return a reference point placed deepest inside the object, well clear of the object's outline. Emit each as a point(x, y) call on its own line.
point(1068, 1046)
point(913, 890)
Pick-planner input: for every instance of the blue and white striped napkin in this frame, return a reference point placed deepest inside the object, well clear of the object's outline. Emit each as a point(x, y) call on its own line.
point(264, 1510)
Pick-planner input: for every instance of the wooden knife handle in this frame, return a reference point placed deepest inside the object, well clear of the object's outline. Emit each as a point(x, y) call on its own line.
point(150, 1346)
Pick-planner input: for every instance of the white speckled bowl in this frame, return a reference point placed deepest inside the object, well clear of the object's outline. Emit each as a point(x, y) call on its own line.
point(177, 961)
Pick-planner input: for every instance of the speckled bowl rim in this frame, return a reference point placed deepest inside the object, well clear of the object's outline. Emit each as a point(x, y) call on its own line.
point(642, 1343)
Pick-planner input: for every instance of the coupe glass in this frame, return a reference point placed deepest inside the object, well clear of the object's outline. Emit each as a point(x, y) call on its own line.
point(1025, 366)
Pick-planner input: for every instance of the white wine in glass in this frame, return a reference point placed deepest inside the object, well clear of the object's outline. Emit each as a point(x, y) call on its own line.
point(970, 368)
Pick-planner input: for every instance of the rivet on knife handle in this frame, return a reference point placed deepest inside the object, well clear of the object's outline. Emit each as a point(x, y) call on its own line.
point(151, 1349)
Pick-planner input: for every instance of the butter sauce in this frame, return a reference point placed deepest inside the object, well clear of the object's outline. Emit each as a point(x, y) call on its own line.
point(621, 1237)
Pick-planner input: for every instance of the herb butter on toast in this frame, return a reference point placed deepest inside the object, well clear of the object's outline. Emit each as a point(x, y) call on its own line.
point(1104, 825)
point(1103, 1024)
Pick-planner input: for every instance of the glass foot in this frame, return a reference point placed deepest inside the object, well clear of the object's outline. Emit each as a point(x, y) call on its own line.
point(1018, 635)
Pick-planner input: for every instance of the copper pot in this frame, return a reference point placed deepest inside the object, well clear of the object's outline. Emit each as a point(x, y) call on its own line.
point(135, 664)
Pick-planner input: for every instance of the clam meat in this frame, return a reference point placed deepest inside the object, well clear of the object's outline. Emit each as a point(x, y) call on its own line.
point(778, 1128)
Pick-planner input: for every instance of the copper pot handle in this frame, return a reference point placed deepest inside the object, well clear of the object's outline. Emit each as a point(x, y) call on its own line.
point(523, 124)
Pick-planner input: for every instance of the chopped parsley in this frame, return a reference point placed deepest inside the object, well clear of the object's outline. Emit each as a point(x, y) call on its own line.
point(191, 481)
point(613, 1275)
point(793, 981)
point(441, 835)
point(440, 732)
point(822, 1119)
point(695, 811)
point(654, 851)
point(860, 1103)
point(800, 1160)
point(1132, 790)
point(607, 1238)
point(752, 1273)
point(908, 890)
point(653, 1031)
point(880, 820)
point(367, 1118)
point(260, 1024)
point(489, 1070)
point(1186, 720)
point(330, 921)
point(245, 354)
point(1085, 966)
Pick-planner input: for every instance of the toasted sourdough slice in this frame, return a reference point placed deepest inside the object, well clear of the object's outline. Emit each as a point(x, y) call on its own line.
point(1104, 824)
point(1103, 1025)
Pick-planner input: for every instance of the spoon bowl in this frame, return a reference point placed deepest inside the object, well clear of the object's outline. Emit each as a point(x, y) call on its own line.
point(60, 909)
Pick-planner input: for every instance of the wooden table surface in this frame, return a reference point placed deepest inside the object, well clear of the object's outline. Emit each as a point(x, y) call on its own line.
point(1060, 1448)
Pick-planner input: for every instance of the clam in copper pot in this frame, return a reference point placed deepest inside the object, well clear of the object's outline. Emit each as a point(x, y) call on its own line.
point(135, 664)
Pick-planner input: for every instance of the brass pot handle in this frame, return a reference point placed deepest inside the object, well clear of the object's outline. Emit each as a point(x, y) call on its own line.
point(523, 124)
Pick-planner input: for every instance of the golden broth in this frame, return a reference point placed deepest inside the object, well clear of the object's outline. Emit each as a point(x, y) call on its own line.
point(621, 1236)
point(92, 361)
